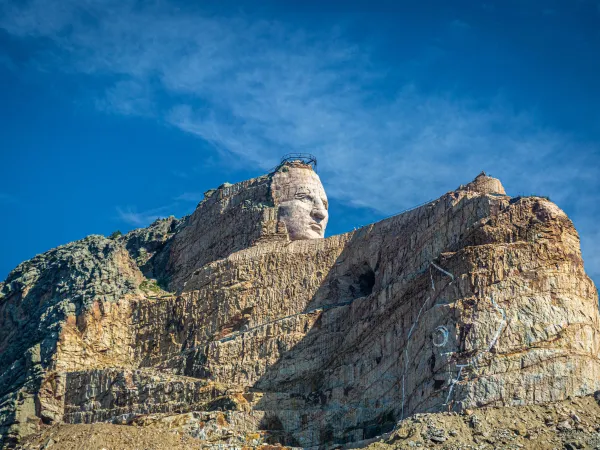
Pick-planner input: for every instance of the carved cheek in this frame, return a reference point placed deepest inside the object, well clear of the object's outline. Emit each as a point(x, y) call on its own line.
point(296, 214)
point(303, 207)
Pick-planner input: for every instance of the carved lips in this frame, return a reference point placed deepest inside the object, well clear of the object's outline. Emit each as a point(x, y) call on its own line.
point(316, 227)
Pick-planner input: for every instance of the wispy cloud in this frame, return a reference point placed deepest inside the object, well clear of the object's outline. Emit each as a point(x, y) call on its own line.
point(129, 97)
point(190, 197)
point(259, 89)
point(131, 216)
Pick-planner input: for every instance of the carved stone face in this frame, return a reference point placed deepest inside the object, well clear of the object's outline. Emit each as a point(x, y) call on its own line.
point(302, 202)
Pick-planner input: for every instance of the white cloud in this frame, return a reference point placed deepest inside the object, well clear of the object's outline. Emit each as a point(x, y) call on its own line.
point(132, 217)
point(129, 98)
point(260, 89)
point(190, 197)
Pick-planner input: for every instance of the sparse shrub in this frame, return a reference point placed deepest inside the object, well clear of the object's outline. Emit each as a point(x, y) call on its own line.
point(115, 234)
point(150, 285)
point(545, 197)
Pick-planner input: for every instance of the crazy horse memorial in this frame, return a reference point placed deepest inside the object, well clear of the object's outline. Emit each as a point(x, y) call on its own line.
point(241, 325)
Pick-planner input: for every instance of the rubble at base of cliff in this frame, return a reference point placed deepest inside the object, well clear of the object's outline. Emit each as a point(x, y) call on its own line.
point(569, 424)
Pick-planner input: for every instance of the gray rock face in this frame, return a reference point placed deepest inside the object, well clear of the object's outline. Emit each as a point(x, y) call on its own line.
point(150, 247)
point(35, 301)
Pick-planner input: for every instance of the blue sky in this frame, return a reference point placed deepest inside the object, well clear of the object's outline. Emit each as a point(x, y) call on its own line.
point(116, 112)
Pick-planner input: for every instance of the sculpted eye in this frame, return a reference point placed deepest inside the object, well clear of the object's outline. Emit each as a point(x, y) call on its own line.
point(326, 204)
point(302, 196)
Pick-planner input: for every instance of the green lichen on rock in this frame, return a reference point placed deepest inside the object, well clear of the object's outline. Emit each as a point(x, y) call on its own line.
point(150, 286)
point(115, 234)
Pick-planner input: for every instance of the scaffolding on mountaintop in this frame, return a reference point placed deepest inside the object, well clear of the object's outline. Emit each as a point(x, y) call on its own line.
point(305, 158)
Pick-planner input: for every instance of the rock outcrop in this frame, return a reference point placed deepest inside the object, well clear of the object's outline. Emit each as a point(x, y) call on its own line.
point(59, 311)
point(243, 336)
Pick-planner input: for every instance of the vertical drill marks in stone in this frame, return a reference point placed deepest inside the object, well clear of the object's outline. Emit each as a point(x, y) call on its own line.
point(412, 328)
point(473, 361)
point(502, 323)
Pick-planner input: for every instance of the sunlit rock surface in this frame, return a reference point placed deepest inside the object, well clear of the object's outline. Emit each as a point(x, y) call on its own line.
point(245, 332)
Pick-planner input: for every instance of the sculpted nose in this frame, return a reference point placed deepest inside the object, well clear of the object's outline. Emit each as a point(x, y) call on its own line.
point(319, 213)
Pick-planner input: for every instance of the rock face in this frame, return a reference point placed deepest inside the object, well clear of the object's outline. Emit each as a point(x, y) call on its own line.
point(475, 299)
point(280, 206)
point(58, 311)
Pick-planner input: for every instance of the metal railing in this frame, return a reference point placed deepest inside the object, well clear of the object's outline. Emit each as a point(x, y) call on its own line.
point(306, 158)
